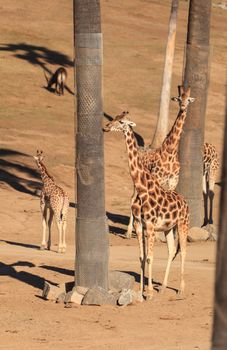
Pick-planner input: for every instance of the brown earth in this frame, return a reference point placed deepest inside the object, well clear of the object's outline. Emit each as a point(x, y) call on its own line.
point(35, 34)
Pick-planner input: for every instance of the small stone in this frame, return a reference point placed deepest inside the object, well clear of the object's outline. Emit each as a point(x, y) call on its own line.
point(120, 280)
point(51, 292)
point(98, 296)
point(61, 298)
point(73, 297)
point(197, 234)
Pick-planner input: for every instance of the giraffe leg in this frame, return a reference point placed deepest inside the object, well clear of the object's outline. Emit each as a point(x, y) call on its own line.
point(149, 257)
point(60, 230)
point(130, 225)
point(211, 198)
point(44, 223)
point(183, 231)
point(63, 236)
point(211, 194)
point(205, 199)
point(49, 227)
point(171, 254)
point(139, 233)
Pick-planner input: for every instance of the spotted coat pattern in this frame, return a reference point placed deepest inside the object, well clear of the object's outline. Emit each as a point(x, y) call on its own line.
point(54, 199)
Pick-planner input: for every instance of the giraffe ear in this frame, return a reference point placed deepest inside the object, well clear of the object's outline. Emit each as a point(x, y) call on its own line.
point(176, 99)
point(191, 99)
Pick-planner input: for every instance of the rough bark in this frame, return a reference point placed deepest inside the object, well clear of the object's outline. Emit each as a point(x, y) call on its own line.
point(91, 231)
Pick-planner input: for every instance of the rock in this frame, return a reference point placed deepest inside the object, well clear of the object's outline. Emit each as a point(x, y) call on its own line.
point(98, 296)
point(74, 297)
point(51, 291)
point(120, 280)
point(126, 297)
point(81, 290)
point(212, 230)
point(197, 234)
point(129, 296)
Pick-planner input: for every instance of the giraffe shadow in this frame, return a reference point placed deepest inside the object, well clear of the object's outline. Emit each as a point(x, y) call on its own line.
point(23, 276)
point(156, 285)
point(139, 138)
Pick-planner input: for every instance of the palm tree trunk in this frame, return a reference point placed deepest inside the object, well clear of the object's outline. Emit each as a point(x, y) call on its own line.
point(91, 233)
point(163, 119)
point(220, 305)
point(197, 76)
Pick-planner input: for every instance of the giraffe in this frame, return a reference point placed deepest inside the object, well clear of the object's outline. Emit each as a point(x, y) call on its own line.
point(210, 168)
point(56, 200)
point(163, 162)
point(153, 209)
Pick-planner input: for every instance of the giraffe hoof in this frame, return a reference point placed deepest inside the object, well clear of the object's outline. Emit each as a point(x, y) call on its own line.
point(128, 235)
point(42, 247)
point(162, 289)
point(149, 297)
point(61, 250)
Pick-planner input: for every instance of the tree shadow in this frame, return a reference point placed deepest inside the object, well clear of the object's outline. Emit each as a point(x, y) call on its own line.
point(139, 138)
point(118, 218)
point(19, 183)
point(23, 276)
point(24, 245)
point(39, 56)
point(58, 269)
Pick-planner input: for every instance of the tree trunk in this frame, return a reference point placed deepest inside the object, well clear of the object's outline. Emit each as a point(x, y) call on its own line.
point(163, 119)
point(219, 341)
point(197, 76)
point(91, 234)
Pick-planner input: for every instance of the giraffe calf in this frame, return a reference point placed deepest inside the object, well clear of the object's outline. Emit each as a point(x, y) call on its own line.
point(55, 200)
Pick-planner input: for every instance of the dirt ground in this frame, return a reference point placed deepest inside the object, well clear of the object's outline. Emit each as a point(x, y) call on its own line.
point(34, 35)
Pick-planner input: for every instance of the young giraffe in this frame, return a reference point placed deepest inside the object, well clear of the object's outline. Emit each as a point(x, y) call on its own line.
point(55, 199)
point(210, 168)
point(154, 209)
point(163, 162)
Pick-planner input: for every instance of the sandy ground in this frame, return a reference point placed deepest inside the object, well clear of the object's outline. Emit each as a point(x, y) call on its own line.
point(135, 34)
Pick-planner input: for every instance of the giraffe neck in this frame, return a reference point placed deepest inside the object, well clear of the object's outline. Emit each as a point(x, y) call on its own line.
point(135, 165)
point(45, 176)
point(171, 142)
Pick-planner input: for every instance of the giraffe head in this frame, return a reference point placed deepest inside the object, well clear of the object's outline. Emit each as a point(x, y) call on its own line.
point(39, 156)
point(120, 123)
point(184, 97)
